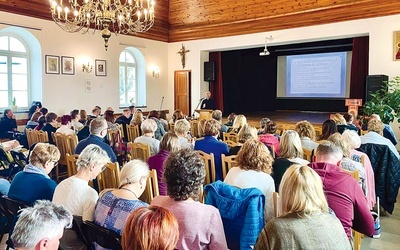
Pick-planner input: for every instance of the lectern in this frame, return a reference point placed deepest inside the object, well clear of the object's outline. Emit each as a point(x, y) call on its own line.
point(204, 113)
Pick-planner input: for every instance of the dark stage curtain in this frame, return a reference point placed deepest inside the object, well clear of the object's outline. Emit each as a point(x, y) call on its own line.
point(359, 67)
point(216, 87)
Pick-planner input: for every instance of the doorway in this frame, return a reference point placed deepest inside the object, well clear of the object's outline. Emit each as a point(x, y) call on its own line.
point(182, 91)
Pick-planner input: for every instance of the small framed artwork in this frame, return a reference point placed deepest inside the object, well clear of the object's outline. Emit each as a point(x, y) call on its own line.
point(67, 65)
point(101, 67)
point(396, 46)
point(88, 86)
point(52, 64)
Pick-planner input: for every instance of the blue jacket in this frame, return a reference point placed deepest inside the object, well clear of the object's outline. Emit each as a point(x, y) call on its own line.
point(242, 212)
point(93, 139)
point(211, 145)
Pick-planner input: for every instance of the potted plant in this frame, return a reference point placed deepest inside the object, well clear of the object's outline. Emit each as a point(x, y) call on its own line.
point(14, 106)
point(385, 102)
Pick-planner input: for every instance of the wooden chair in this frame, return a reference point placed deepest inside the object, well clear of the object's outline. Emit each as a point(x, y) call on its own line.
point(230, 136)
point(151, 190)
point(363, 132)
point(139, 151)
point(272, 151)
point(231, 143)
point(121, 130)
point(132, 132)
point(276, 200)
point(227, 164)
point(307, 154)
point(71, 164)
point(194, 128)
point(102, 236)
point(318, 131)
point(280, 128)
point(171, 127)
point(40, 136)
point(30, 136)
point(109, 177)
point(66, 144)
point(111, 133)
point(209, 165)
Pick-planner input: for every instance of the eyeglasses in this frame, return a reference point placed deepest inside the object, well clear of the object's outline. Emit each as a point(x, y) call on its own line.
point(55, 163)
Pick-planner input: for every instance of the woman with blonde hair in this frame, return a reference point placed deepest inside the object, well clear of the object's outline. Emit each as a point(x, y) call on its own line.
point(168, 144)
point(247, 132)
point(201, 126)
point(148, 127)
point(291, 152)
point(306, 132)
point(182, 128)
point(238, 123)
point(253, 170)
point(160, 225)
point(115, 205)
point(137, 119)
point(34, 183)
point(304, 221)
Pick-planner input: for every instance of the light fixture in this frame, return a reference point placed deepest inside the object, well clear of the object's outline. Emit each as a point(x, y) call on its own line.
point(130, 17)
point(156, 72)
point(266, 52)
point(87, 68)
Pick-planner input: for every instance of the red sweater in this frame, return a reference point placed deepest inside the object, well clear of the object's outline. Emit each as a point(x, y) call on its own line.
point(345, 198)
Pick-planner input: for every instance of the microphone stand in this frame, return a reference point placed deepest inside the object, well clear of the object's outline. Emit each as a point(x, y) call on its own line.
point(162, 100)
point(197, 107)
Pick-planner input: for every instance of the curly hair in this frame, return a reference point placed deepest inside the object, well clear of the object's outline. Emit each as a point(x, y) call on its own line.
point(305, 129)
point(184, 173)
point(212, 127)
point(270, 127)
point(375, 126)
point(254, 155)
point(247, 132)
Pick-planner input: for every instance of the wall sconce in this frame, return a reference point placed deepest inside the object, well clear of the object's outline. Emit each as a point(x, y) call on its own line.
point(156, 72)
point(87, 68)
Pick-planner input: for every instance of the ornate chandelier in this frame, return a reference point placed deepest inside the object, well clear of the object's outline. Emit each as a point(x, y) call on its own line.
point(130, 17)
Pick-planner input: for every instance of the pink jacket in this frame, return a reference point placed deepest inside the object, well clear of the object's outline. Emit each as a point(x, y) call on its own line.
point(271, 140)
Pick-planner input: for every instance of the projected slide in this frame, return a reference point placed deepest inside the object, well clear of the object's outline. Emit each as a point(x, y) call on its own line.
point(316, 75)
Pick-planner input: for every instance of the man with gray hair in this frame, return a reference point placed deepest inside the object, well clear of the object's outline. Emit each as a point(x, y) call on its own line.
point(98, 130)
point(345, 197)
point(217, 115)
point(41, 226)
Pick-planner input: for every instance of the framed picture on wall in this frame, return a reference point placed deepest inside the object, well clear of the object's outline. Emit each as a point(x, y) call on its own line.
point(67, 65)
point(52, 64)
point(101, 67)
point(396, 46)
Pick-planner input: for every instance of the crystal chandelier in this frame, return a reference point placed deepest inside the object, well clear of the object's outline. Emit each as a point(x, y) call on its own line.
point(130, 17)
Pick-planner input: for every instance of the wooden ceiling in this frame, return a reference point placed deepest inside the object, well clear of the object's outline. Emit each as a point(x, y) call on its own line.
point(182, 20)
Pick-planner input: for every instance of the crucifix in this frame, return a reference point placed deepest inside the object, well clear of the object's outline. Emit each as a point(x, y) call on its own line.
point(182, 52)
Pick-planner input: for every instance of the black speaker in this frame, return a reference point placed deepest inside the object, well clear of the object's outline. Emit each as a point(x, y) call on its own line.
point(209, 71)
point(374, 83)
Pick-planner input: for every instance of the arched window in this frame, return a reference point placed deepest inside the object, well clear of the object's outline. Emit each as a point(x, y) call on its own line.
point(14, 72)
point(132, 78)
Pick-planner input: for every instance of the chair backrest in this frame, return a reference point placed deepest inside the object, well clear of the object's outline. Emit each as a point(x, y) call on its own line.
point(71, 164)
point(172, 127)
point(227, 163)
point(132, 131)
point(363, 132)
point(102, 236)
point(209, 164)
point(318, 131)
point(66, 144)
point(121, 130)
point(109, 178)
point(277, 204)
point(230, 136)
point(194, 128)
point(30, 136)
point(307, 154)
point(231, 143)
point(12, 206)
point(139, 151)
point(19, 158)
point(111, 135)
point(152, 189)
point(40, 136)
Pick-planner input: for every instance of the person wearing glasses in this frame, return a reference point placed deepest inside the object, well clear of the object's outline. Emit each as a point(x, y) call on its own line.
point(34, 183)
point(77, 196)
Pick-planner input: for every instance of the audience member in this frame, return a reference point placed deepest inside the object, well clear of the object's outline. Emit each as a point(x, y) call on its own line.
point(44, 110)
point(77, 196)
point(85, 131)
point(306, 132)
point(149, 126)
point(182, 128)
point(110, 119)
point(177, 115)
point(66, 125)
point(33, 122)
point(338, 119)
point(304, 221)
point(83, 115)
point(328, 128)
point(345, 197)
point(34, 183)
point(217, 115)
point(125, 117)
point(207, 102)
point(137, 119)
point(210, 144)
point(96, 112)
point(254, 165)
point(387, 130)
point(263, 122)
point(33, 109)
point(41, 226)
point(98, 130)
point(349, 118)
point(50, 126)
point(290, 153)
point(41, 122)
point(247, 132)
point(115, 205)
point(375, 136)
point(159, 133)
point(238, 123)
point(270, 138)
point(7, 124)
point(160, 225)
point(200, 225)
point(163, 119)
point(75, 122)
point(200, 128)
point(231, 118)
point(169, 144)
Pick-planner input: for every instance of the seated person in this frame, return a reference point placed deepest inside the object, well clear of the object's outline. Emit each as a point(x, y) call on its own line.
point(217, 115)
point(34, 183)
point(33, 122)
point(182, 128)
point(231, 117)
point(109, 117)
point(85, 131)
point(41, 226)
point(158, 134)
point(200, 225)
point(387, 130)
point(328, 128)
point(124, 118)
point(76, 125)
point(304, 221)
point(263, 122)
point(270, 137)
point(50, 126)
point(66, 125)
point(177, 115)
point(7, 124)
point(210, 144)
point(148, 127)
point(114, 206)
point(160, 225)
point(162, 116)
point(306, 132)
point(254, 165)
point(345, 197)
point(349, 118)
point(41, 122)
point(247, 132)
point(238, 123)
point(77, 196)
